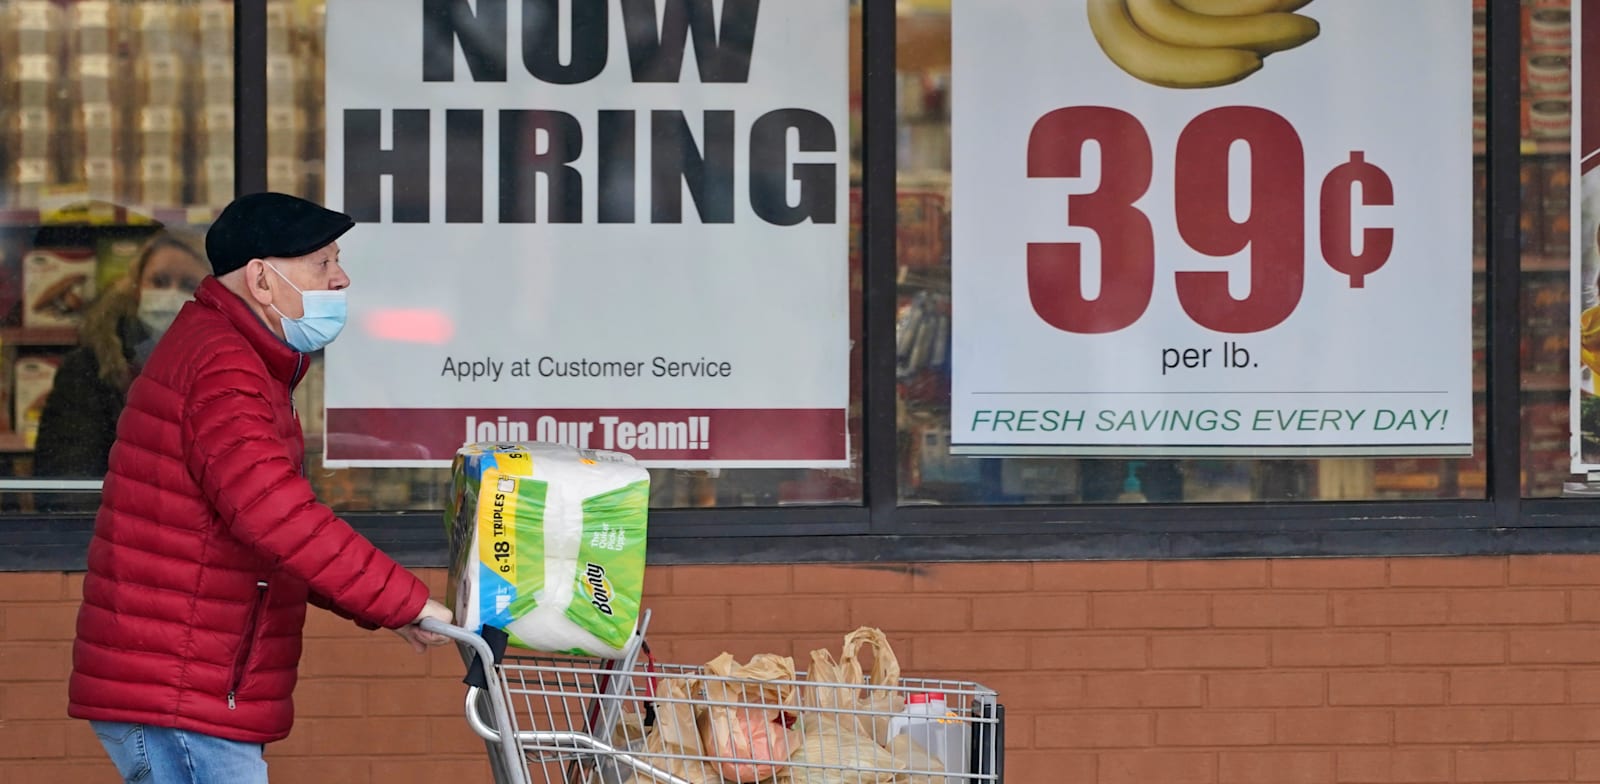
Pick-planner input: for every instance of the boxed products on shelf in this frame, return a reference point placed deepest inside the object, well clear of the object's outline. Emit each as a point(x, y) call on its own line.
point(57, 284)
point(34, 377)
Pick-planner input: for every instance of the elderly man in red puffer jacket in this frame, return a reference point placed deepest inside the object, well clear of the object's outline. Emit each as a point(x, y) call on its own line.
point(209, 541)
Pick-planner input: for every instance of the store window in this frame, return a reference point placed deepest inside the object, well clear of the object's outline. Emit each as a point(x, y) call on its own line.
point(297, 102)
point(930, 473)
point(116, 143)
point(1557, 282)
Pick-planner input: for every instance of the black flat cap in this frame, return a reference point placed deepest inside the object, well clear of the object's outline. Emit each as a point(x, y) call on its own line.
point(265, 225)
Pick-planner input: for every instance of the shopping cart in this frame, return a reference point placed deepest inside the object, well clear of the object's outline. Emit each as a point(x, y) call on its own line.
point(574, 720)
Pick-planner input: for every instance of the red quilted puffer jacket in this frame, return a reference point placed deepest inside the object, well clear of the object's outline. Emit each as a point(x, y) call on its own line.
point(209, 541)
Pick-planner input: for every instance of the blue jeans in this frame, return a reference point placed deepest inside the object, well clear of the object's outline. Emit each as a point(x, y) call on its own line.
point(147, 754)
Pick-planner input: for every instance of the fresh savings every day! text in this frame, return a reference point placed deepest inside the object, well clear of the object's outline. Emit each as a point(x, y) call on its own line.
point(616, 225)
point(1229, 227)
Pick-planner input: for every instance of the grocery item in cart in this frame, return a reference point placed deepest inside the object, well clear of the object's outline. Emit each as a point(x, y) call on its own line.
point(755, 742)
point(547, 543)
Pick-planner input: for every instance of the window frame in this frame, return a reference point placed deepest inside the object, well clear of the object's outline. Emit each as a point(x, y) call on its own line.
point(880, 528)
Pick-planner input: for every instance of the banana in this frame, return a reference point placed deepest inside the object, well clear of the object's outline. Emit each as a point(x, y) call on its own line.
point(1262, 33)
point(1241, 7)
point(1161, 63)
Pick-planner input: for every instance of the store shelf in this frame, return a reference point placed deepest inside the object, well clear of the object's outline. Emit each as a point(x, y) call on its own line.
point(108, 215)
point(1533, 263)
point(39, 336)
point(1534, 147)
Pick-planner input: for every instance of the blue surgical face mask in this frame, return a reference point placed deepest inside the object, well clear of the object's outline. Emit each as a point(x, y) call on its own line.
point(323, 320)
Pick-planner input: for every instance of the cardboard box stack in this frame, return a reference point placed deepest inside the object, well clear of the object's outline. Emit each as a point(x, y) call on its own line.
point(213, 147)
point(31, 34)
point(161, 33)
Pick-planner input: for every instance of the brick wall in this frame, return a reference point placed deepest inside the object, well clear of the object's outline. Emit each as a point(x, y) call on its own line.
point(1218, 672)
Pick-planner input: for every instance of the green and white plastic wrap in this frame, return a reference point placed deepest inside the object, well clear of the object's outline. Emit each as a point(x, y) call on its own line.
point(547, 542)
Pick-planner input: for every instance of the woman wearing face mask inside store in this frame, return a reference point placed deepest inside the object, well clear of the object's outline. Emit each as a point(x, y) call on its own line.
point(79, 420)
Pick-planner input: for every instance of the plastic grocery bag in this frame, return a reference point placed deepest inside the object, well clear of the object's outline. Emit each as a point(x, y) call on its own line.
point(677, 732)
point(747, 718)
point(826, 674)
point(547, 542)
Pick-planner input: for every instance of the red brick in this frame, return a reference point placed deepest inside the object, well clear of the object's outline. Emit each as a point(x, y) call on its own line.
point(1275, 767)
point(1555, 570)
point(1167, 767)
point(1213, 728)
point(971, 578)
point(1431, 647)
point(913, 613)
point(1091, 576)
point(437, 580)
point(1031, 691)
point(1042, 612)
point(41, 700)
point(1390, 608)
point(1269, 610)
point(1382, 767)
point(451, 736)
point(1565, 645)
point(75, 586)
point(1209, 651)
point(1583, 685)
point(33, 586)
point(35, 661)
point(1587, 765)
point(725, 580)
point(1150, 611)
point(1550, 764)
point(1048, 766)
point(1145, 690)
point(56, 621)
point(347, 659)
point(321, 623)
point(364, 736)
point(330, 769)
point(1585, 606)
point(432, 771)
point(789, 615)
point(853, 579)
point(35, 739)
point(1507, 687)
point(298, 744)
point(82, 743)
point(1508, 607)
point(1555, 725)
point(1386, 688)
point(1089, 653)
point(657, 582)
point(1330, 573)
point(1093, 730)
point(1438, 725)
point(1265, 689)
point(76, 772)
point(1329, 649)
point(416, 697)
point(1208, 575)
point(1334, 727)
point(318, 697)
point(1451, 572)
point(971, 652)
point(688, 615)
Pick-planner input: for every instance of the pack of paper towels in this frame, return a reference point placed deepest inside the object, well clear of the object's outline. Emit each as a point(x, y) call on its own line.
point(547, 542)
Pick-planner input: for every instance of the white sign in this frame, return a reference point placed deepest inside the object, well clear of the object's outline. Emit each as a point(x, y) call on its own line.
point(613, 225)
point(1165, 242)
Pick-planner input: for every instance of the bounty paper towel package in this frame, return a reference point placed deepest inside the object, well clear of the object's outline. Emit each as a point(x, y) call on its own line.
point(547, 542)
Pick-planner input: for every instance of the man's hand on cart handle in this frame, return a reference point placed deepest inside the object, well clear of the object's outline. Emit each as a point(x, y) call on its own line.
point(422, 640)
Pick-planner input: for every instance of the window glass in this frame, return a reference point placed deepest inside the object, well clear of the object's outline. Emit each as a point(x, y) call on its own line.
point(929, 473)
point(296, 74)
point(116, 147)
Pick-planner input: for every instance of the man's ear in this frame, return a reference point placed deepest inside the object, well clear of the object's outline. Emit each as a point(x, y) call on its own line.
point(256, 282)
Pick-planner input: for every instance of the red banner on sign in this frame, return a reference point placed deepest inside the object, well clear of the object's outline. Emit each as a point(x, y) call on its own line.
point(648, 434)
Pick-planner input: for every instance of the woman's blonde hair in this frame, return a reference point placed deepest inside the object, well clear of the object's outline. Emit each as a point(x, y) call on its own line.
point(101, 330)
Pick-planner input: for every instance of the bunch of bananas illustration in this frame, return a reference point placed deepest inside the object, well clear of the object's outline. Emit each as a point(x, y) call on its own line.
point(1197, 43)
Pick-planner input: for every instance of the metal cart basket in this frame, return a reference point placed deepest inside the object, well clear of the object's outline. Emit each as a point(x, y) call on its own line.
point(573, 720)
